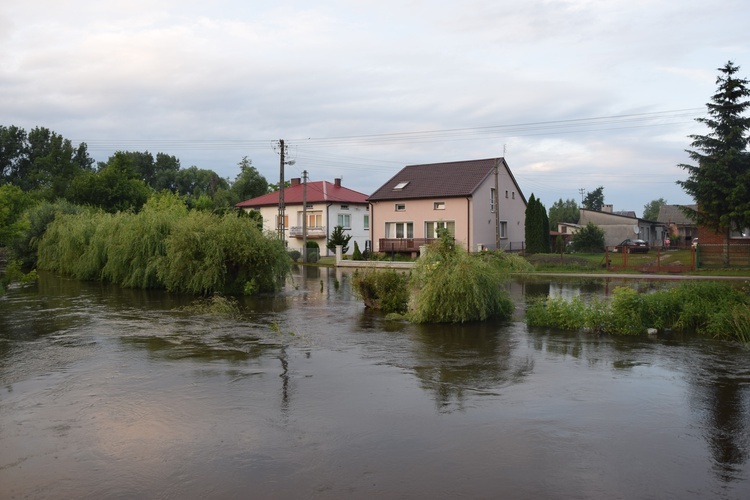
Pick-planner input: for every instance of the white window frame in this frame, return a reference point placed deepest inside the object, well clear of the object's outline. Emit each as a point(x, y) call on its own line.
point(345, 221)
point(406, 228)
point(503, 229)
point(431, 227)
point(366, 222)
point(400, 207)
point(493, 200)
point(438, 205)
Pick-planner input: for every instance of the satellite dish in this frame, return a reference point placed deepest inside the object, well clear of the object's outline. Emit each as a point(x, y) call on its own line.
point(636, 229)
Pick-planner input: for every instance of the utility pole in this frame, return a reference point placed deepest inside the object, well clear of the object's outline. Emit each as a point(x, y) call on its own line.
point(582, 191)
point(281, 191)
point(304, 216)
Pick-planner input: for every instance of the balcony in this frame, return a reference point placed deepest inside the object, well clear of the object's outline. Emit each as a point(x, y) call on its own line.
point(313, 232)
point(402, 244)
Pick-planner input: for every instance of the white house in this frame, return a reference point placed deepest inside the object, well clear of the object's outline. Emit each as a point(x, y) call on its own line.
point(328, 205)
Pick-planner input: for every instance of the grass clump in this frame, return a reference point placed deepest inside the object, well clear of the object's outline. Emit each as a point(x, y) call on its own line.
point(215, 305)
point(709, 308)
point(382, 289)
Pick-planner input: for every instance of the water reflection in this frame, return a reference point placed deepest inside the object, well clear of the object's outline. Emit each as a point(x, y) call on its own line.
point(454, 362)
point(309, 386)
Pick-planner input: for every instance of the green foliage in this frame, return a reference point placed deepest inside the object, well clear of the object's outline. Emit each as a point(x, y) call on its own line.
point(165, 246)
point(249, 183)
point(357, 254)
point(589, 239)
point(563, 211)
point(451, 286)
point(40, 161)
point(651, 209)
point(294, 255)
point(216, 305)
point(536, 227)
point(710, 308)
point(14, 274)
point(385, 290)
point(339, 238)
point(719, 182)
point(115, 187)
point(36, 219)
point(13, 202)
point(313, 251)
point(594, 200)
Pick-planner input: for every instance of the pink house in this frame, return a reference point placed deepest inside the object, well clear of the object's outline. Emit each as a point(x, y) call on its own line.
point(478, 201)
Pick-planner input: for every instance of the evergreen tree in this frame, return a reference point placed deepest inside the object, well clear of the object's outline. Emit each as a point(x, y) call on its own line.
point(594, 200)
point(339, 238)
point(537, 237)
point(720, 182)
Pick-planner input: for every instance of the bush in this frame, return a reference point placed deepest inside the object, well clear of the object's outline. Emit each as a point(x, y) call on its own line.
point(385, 290)
point(451, 286)
point(294, 255)
point(589, 239)
point(357, 254)
point(313, 251)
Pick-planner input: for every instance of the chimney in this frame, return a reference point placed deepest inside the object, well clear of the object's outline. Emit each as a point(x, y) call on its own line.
point(337, 182)
point(608, 208)
point(294, 181)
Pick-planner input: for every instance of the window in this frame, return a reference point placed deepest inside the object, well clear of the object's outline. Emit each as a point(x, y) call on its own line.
point(399, 229)
point(367, 222)
point(308, 206)
point(314, 220)
point(438, 205)
point(493, 196)
point(286, 221)
point(345, 221)
point(431, 228)
point(513, 195)
point(506, 194)
point(400, 186)
point(503, 229)
point(344, 207)
point(400, 207)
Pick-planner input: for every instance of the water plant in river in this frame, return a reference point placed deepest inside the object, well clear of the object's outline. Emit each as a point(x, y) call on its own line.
point(710, 308)
point(447, 285)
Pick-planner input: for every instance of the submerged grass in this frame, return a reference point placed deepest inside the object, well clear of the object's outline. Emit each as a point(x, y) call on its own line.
point(709, 308)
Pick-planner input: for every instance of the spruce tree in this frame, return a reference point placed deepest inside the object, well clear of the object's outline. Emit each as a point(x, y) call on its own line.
point(720, 182)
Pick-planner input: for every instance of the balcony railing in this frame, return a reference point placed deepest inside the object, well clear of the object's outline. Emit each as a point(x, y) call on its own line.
point(402, 244)
point(313, 232)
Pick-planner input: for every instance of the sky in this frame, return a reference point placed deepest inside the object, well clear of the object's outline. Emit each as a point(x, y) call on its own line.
point(574, 94)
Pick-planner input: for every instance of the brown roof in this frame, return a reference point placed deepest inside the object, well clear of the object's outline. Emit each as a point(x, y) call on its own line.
point(317, 192)
point(672, 214)
point(438, 180)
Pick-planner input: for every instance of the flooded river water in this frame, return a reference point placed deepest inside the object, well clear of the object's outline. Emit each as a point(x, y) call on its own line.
point(113, 393)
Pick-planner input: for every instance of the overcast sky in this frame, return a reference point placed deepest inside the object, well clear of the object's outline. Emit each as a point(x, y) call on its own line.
point(575, 94)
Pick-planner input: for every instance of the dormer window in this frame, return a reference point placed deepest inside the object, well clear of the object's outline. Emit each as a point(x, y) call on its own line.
point(400, 185)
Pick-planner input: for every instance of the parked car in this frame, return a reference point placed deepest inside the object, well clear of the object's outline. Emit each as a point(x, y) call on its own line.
point(633, 246)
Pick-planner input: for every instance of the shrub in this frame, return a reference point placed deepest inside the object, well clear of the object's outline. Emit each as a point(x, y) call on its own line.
point(589, 239)
point(382, 289)
point(450, 286)
point(357, 254)
point(294, 255)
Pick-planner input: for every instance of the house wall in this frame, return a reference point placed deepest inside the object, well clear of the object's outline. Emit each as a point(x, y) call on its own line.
point(418, 212)
point(512, 213)
point(329, 220)
point(617, 228)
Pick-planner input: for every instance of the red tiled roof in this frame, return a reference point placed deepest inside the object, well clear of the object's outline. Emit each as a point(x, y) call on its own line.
point(444, 180)
point(317, 192)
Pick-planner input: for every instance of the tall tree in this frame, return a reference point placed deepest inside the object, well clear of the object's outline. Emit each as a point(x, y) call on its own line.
point(115, 187)
point(594, 200)
point(563, 211)
point(536, 221)
point(249, 183)
point(651, 209)
point(720, 182)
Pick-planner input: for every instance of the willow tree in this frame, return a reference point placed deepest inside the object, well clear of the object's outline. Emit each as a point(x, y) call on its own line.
point(720, 182)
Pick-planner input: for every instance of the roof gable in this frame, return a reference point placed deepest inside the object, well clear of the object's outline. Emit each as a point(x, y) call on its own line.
point(672, 214)
point(438, 180)
point(317, 192)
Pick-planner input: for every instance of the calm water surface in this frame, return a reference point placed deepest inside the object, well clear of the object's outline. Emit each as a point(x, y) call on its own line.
point(112, 393)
